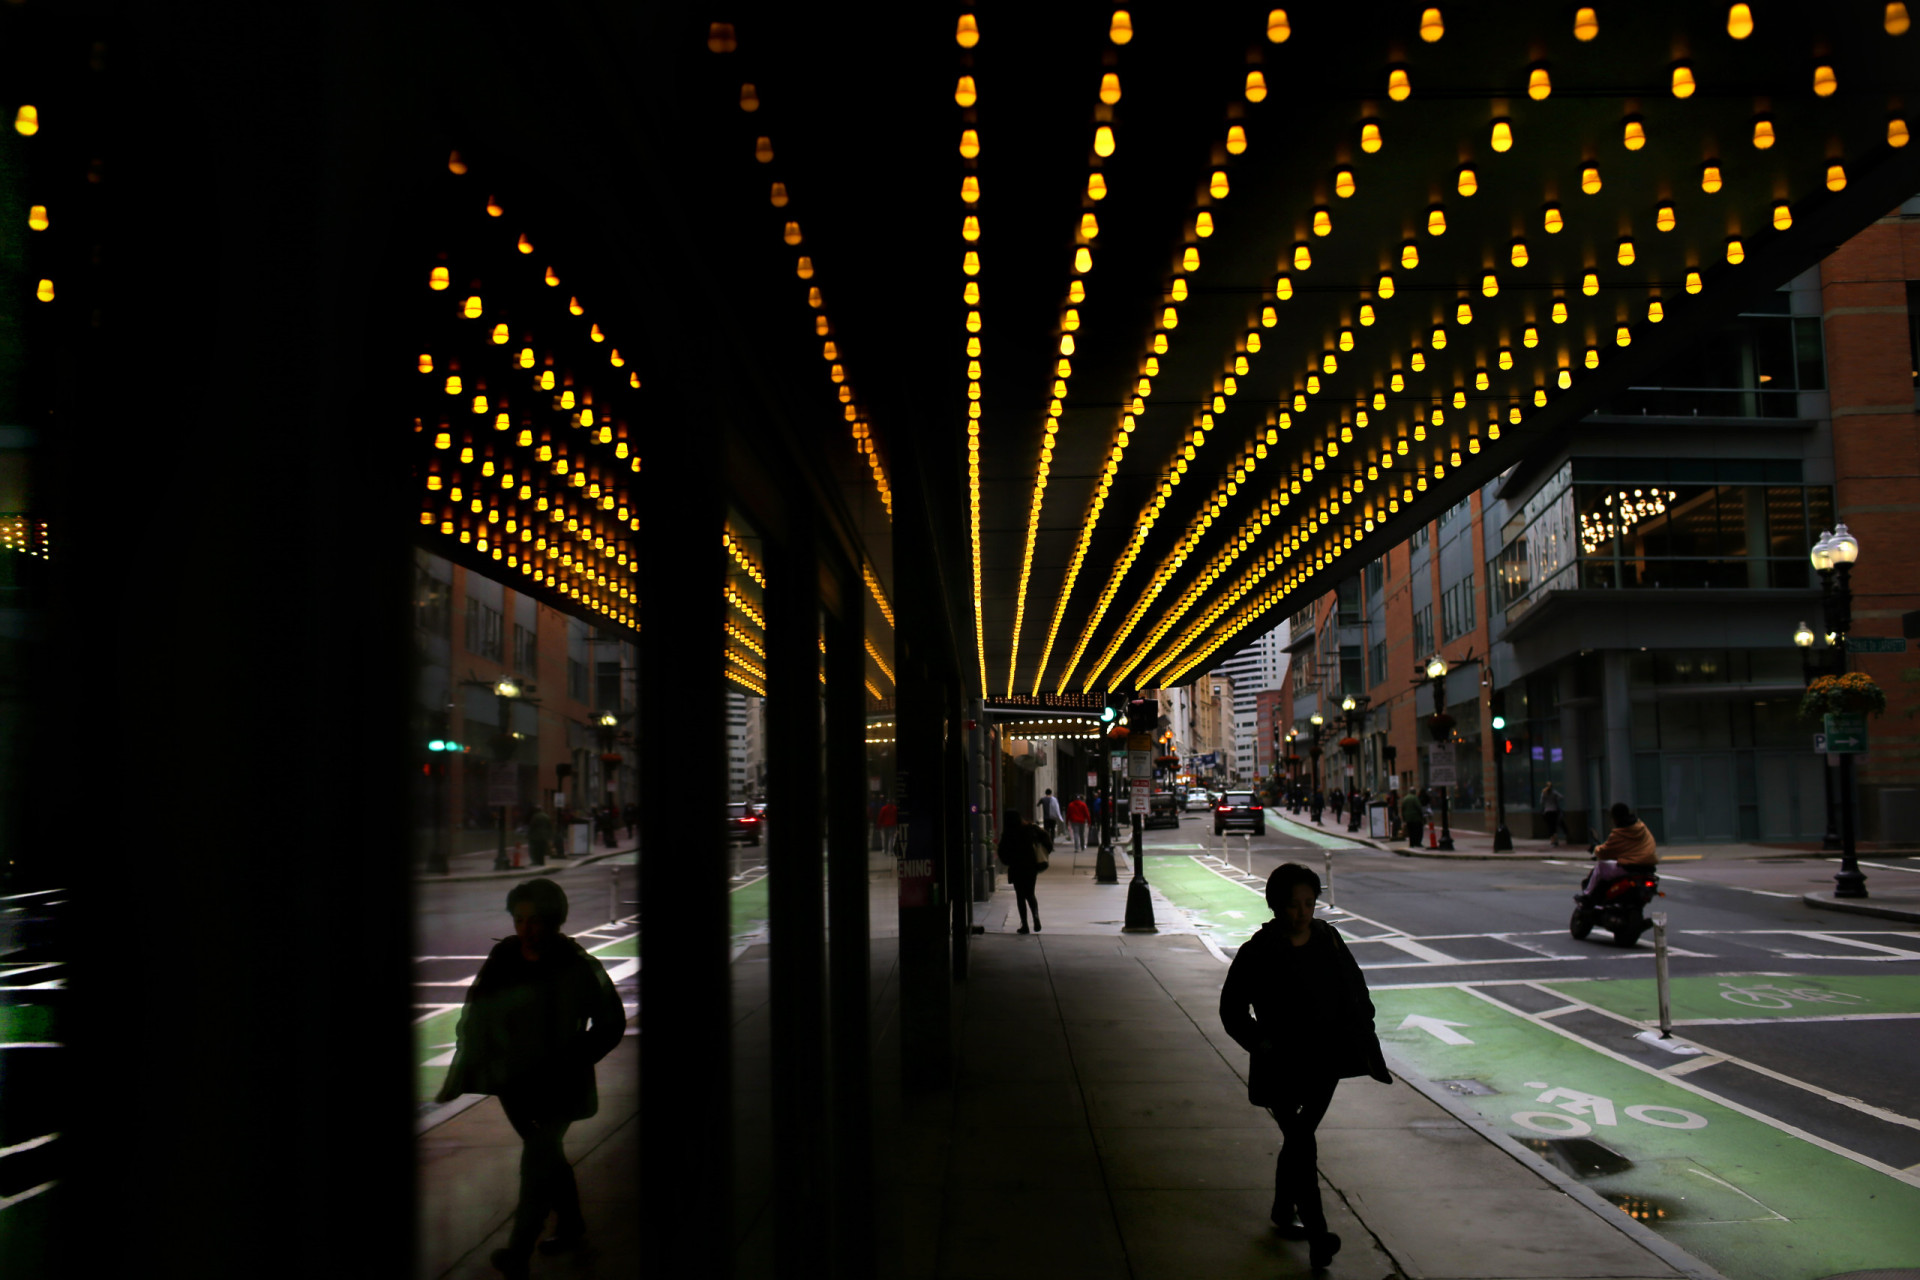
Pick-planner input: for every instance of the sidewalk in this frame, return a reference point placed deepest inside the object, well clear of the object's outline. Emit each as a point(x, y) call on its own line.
point(1099, 1127)
point(478, 865)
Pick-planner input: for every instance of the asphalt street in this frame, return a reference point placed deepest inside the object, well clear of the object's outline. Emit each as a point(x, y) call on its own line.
point(1789, 1066)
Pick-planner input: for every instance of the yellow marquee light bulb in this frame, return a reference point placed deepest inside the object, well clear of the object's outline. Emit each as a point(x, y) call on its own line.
point(1559, 313)
point(1736, 253)
point(1683, 85)
point(1370, 137)
point(1896, 20)
point(1103, 141)
point(1539, 84)
point(453, 384)
point(1436, 222)
point(1202, 224)
point(969, 192)
point(1519, 254)
point(1190, 260)
point(1217, 186)
point(1897, 132)
point(1463, 314)
point(1330, 364)
point(1110, 88)
point(1468, 182)
point(969, 143)
point(1590, 180)
point(967, 34)
point(1664, 219)
point(1502, 135)
point(1417, 362)
point(1740, 21)
point(1343, 183)
point(1396, 384)
point(1089, 226)
point(1624, 254)
point(1762, 134)
point(1256, 87)
point(1366, 314)
point(1824, 82)
point(1506, 359)
point(965, 92)
point(573, 305)
point(1586, 25)
point(1489, 285)
point(37, 218)
point(1539, 396)
point(1409, 257)
point(1622, 337)
point(1782, 217)
point(1635, 135)
point(1302, 258)
point(437, 278)
point(1655, 312)
point(969, 231)
point(26, 123)
point(1566, 379)
point(1836, 177)
point(1385, 287)
point(499, 335)
point(1269, 318)
point(1121, 29)
point(426, 363)
point(1399, 88)
point(1593, 358)
point(1553, 221)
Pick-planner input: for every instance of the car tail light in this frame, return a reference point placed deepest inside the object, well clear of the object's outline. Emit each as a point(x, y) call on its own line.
point(1254, 807)
point(1226, 808)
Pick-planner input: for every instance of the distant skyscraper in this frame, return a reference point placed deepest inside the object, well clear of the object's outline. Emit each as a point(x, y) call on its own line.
point(1261, 665)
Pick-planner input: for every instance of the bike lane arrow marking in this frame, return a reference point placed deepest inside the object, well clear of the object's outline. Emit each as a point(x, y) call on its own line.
point(1439, 1028)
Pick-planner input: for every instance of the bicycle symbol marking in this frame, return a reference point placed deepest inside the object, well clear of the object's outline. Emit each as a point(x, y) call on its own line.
point(1768, 995)
point(1573, 1104)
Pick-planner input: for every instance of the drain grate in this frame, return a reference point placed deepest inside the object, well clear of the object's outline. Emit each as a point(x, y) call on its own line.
point(1471, 1088)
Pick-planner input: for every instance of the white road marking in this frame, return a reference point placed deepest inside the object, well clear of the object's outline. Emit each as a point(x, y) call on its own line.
point(1841, 940)
point(1884, 866)
point(1812, 1017)
point(1774, 1216)
point(1765, 893)
point(1439, 1028)
point(1418, 949)
point(7, 1202)
point(1852, 1103)
point(1678, 1083)
point(1687, 1066)
point(419, 959)
point(624, 970)
point(457, 982)
point(29, 1144)
point(15, 970)
point(58, 984)
point(1565, 1008)
point(31, 1044)
point(41, 893)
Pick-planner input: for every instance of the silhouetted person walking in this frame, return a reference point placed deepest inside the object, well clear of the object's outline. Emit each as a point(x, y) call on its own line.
point(1050, 812)
point(1311, 1026)
point(1021, 844)
point(540, 1013)
point(1413, 816)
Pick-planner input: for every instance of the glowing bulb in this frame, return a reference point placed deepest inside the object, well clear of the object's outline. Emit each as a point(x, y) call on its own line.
point(1553, 221)
point(1121, 30)
point(1735, 252)
point(1683, 85)
point(1399, 88)
point(1370, 137)
point(1896, 20)
point(1762, 134)
point(1489, 285)
point(1559, 313)
point(1409, 257)
point(1586, 25)
point(1740, 21)
point(1469, 183)
point(1824, 82)
point(1302, 258)
point(1664, 218)
point(969, 147)
point(1782, 217)
point(26, 123)
point(1655, 312)
point(1343, 183)
point(1625, 253)
point(1590, 180)
point(1278, 28)
point(1636, 135)
point(965, 93)
point(1236, 140)
point(1256, 87)
point(1836, 177)
point(1110, 88)
point(1897, 132)
point(1322, 222)
point(1103, 141)
point(1502, 136)
point(1539, 84)
point(1621, 337)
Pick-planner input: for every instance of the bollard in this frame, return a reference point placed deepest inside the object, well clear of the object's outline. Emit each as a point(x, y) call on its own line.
point(1660, 973)
point(1329, 855)
point(1247, 843)
point(613, 896)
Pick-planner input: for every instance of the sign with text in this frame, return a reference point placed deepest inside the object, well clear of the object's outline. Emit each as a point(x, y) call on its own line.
point(1093, 780)
point(1876, 644)
point(503, 785)
point(1093, 702)
point(1141, 797)
point(1846, 734)
point(1440, 770)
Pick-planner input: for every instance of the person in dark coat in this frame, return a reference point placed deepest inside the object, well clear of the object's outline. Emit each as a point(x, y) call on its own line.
point(538, 1017)
point(1339, 803)
point(1413, 815)
point(540, 836)
point(1310, 1026)
point(1318, 803)
point(1022, 860)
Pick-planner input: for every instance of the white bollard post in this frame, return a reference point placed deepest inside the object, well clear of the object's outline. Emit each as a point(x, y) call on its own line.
point(1660, 974)
point(1329, 856)
point(1246, 842)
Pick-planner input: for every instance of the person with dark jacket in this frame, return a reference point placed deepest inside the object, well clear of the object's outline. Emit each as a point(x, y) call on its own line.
point(538, 1017)
point(1316, 804)
point(1310, 1026)
point(1629, 844)
point(1339, 801)
point(540, 836)
point(1414, 815)
point(1020, 845)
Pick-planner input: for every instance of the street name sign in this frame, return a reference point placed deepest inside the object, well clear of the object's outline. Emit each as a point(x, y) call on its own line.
point(1846, 734)
point(1876, 644)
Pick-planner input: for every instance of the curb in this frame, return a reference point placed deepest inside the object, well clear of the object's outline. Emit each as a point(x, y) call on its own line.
point(1644, 1236)
point(519, 873)
point(1405, 852)
point(1860, 907)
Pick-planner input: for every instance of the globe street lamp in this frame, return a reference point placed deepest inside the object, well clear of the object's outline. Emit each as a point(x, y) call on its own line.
point(506, 688)
point(1502, 838)
point(606, 723)
point(1316, 720)
point(1356, 709)
point(1437, 676)
point(1810, 667)
point(1833, 556)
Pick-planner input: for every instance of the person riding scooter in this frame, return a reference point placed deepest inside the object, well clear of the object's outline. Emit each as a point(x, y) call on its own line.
point(1629, 844)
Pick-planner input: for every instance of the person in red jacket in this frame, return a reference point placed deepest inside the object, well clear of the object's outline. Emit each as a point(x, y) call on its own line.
point(888, 820)
point(1077, 819)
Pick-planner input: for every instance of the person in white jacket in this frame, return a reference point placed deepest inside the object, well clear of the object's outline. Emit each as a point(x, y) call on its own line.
point(1050, 812)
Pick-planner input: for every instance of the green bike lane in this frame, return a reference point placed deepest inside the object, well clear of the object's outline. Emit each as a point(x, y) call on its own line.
point(1752, 1198)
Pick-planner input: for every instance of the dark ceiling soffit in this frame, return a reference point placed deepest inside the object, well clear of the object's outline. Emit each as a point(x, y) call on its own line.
point(1892, 178)
point(1526, 473)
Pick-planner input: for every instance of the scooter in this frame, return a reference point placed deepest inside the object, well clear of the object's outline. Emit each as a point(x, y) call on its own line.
point(1619, 907)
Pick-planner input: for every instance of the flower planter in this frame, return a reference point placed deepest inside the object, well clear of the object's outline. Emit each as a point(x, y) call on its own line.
point(1851, 694)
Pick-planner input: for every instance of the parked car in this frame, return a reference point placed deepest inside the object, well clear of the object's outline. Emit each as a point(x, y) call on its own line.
point(1239, 811)
point(1199, 798)
point(743, 823)
point(1163, 810)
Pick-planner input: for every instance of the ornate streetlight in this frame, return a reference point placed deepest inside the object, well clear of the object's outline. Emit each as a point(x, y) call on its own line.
point(1439, 727)
point(1833, 556)
point(1809, 668)
point(1313, 779)
point(1356, 712)
point(506, 688)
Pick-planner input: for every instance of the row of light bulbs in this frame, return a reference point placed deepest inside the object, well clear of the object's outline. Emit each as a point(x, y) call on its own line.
point(1467, 183)
point(966, 94)
point(26, 123)
point(721, 38)
point(481, 505)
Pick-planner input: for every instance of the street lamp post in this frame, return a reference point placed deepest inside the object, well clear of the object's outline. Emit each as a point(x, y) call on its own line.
point(1356, 709)
point(606, 723)
point(506, 688)
point(1313, 757)
point(1833, 556)
point(1293, 770)
point(1502, 838)
point(1809, 667)
point(1437, 675)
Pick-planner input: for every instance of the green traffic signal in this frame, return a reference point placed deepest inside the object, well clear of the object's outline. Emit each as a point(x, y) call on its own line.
point(1499, 722)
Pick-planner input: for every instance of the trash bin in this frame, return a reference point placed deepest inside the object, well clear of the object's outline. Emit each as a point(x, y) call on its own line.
point(579, 839)
point(1377, 819)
